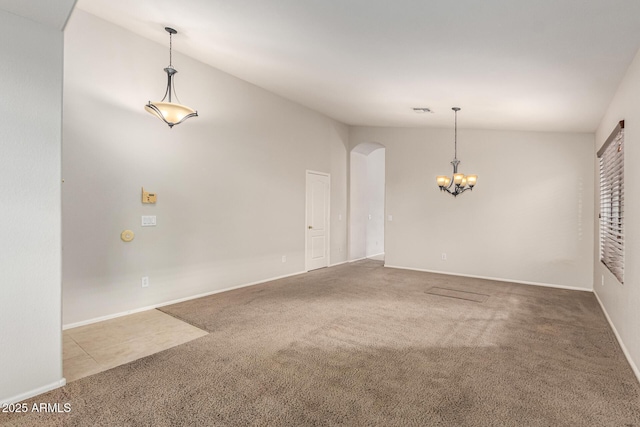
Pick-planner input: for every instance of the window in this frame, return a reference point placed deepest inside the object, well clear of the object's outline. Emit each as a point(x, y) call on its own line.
point(611, 157)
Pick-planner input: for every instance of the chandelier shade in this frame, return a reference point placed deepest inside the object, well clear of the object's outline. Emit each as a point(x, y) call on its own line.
point(459, 182)
point(171, 113)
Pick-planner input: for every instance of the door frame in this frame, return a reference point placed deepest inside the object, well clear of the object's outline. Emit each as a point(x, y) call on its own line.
point(306, 217)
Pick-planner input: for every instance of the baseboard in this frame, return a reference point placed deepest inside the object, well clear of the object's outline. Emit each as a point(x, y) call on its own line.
point(338, 263)
point(374, 255)
point(357, 259)
point(498, 279)
point(176, 301)
point(371, 256)
point(31, 393)
point(634, 367)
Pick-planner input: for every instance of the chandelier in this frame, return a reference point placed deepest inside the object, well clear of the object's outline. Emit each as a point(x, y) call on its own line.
point(170, 112)
point(460, 182)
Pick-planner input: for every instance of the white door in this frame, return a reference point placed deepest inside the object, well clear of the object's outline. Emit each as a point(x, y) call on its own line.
point(317, 252)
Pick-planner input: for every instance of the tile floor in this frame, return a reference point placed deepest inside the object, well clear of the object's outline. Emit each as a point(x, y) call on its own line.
point(94, 348)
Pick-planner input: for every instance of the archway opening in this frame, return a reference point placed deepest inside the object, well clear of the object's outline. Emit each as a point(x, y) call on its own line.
point(367, 201)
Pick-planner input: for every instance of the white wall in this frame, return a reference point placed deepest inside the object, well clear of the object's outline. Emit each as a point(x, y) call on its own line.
point(622, 301)
point(31, 103)
point(230, 183)
point(375, 196)
point(528, 219)
point(358, 207)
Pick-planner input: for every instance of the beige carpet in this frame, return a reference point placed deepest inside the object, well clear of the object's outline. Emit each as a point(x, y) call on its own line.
point(361, 344)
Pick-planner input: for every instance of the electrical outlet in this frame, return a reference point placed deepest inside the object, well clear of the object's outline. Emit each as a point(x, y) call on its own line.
point(145, 282)
point(340, 249)
point(602, 280)
point(444, 256)
point(284, 258)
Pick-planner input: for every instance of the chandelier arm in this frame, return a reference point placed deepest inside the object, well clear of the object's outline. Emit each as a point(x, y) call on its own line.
point(447, 190)
point(458, 189)
point(168, 90)
point(175, 94)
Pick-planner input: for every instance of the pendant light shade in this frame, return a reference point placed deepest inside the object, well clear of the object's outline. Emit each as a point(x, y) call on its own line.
point(170, 112)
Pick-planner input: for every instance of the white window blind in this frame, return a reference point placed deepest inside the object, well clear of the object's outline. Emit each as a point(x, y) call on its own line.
point(612, 202)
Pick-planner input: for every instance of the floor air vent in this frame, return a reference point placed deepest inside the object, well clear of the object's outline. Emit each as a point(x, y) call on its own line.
point(454, 293)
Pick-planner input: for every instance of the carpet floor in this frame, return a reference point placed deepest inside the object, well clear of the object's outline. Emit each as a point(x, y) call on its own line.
point(360, 344)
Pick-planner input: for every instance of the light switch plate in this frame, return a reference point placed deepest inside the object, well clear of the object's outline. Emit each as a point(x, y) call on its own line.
point(148, 220)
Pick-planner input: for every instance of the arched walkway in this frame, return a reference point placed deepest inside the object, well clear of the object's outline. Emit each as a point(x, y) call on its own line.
point(367, 201)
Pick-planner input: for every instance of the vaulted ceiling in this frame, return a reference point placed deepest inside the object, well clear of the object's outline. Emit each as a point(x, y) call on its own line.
point(544, 65)
point(47, 12)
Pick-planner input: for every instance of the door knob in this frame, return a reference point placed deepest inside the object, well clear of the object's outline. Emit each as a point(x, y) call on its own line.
point(310, 227)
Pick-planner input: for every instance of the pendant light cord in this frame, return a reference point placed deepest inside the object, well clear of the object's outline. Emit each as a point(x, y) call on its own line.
point(170, 47)
point(455, 138)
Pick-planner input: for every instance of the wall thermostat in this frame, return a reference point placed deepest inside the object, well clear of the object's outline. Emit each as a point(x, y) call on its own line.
point(148, 197)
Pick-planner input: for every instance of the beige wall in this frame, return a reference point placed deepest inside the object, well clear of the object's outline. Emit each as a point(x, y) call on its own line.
point(358, 206)
point(375, 196)
point(230, 183)
point(622, 302)
point(529, 218)
point(31, 102)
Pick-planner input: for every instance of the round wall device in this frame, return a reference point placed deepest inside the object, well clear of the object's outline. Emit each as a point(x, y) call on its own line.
point(127, 235)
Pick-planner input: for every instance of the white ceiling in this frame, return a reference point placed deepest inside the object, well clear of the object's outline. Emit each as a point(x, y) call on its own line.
point(548, 65)
point(52, 13)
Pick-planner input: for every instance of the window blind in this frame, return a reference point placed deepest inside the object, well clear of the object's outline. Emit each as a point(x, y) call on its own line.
point(612, 202)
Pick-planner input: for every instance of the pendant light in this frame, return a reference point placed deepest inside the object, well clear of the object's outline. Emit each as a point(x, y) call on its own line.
point(170, 112)
point(460, 182)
